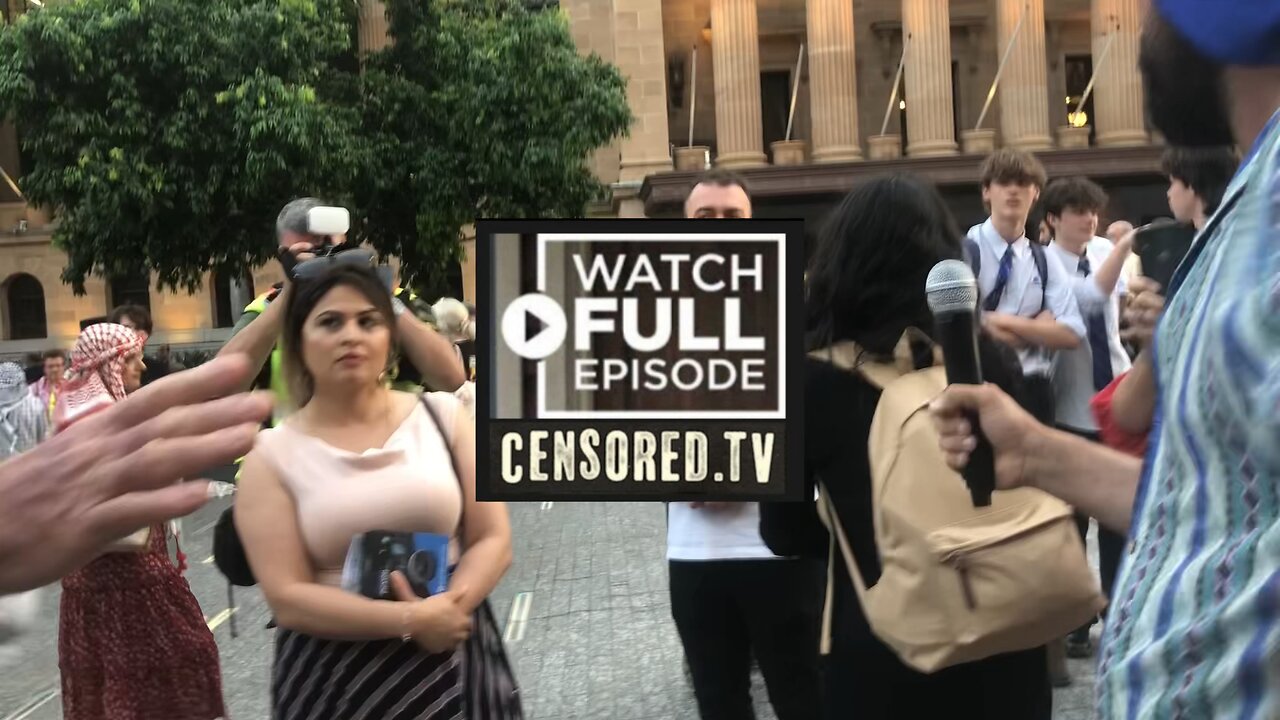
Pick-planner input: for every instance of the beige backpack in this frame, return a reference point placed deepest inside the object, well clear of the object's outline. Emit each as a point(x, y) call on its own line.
point(958, 583)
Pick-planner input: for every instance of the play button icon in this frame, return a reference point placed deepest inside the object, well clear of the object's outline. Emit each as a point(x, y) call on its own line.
point(534, 326)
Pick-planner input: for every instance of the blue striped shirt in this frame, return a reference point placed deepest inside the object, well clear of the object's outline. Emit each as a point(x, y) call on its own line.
point(1193, 630)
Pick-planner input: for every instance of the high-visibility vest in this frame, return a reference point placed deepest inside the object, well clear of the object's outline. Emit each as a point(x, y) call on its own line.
point(276, 382)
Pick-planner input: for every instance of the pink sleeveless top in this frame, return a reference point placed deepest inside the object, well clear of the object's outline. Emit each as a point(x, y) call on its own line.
point(407, 485)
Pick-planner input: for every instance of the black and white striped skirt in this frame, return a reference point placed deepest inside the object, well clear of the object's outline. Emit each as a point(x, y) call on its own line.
point(394, 680)
point(315, 679)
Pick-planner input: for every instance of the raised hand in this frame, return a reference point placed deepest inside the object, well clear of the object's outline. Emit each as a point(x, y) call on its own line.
point(117, 471)
point(1145, 306)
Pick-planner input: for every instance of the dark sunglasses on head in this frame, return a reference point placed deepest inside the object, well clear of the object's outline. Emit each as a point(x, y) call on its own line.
point(317, 266)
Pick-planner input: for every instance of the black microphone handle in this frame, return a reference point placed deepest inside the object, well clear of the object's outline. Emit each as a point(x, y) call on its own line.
point(980, 473)
point(958, 336)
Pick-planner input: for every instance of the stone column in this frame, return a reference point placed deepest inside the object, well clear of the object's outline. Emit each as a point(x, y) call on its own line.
point(735, 59)
point(373, 26)
point(641, 57)
point(1024, 86)
point(926, 27)
point(833, 85)
point(591, 25)
point(239, 297)
point(1117, 91)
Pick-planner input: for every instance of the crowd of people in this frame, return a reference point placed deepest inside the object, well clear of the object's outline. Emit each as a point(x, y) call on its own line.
point(330, 340)
point(1150, 408)
point(1072, 343)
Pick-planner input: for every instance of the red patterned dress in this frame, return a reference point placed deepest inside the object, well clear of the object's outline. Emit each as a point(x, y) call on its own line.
point(133, 643)
point(132, 640)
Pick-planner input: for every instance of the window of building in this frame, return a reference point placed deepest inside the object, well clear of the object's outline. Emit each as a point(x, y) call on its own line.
point(230, 298)
point(131, 290)
point(775, 103)
point(902, 109)
point(24, 297)
point(955, 99)
point(955, 105)
point(1079, 70)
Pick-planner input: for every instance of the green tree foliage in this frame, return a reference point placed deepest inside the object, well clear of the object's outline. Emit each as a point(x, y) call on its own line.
point(479, 108)
point(168, 133)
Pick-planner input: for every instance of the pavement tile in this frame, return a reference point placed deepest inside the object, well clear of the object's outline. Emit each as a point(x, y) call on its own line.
point(599, 643)
point(600, 585)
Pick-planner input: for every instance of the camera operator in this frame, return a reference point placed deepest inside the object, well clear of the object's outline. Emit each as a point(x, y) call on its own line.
point(258, 331)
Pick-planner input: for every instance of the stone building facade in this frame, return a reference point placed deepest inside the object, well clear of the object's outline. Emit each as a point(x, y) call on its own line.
point(883, 86)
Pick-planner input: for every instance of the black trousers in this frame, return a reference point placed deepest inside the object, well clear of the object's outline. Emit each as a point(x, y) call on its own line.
point(728, 610)
point(1110, 543)
point(1038, 397)
point(877, 686)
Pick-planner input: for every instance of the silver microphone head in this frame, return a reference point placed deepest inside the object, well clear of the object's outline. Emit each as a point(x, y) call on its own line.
point(951, 287)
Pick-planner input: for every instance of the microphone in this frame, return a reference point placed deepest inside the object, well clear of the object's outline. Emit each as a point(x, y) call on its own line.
point(952, 291)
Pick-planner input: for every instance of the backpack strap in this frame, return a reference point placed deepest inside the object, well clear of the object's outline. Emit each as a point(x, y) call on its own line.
point(1042, 267)
point(827, 513)
point(846, 355)
point(974, 256)
point(974, 259)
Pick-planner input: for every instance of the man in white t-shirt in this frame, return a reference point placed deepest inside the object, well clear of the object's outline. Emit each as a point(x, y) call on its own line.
point(1025, 295)
point(731, 597)
point(1096, 264)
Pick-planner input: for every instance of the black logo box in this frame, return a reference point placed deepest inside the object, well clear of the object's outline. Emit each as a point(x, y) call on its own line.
point(495, 247)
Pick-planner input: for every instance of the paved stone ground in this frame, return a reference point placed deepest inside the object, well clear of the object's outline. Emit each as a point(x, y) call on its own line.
point(598, 641)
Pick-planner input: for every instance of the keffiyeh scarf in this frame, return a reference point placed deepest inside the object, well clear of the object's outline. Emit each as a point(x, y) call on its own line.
point(22, 421)
point(96, 377)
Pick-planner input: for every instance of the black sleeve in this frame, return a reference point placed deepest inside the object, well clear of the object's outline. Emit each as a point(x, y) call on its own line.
point(794, 529)
point(1001, 367)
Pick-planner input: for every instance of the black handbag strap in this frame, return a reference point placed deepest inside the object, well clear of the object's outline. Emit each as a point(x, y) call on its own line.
point(491, 691)
point(453, 460)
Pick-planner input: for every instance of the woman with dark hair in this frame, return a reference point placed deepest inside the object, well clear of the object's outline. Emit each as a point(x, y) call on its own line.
point(866, 284)
point(358, 457)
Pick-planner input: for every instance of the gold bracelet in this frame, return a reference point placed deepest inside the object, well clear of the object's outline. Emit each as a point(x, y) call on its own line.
point(406, 636)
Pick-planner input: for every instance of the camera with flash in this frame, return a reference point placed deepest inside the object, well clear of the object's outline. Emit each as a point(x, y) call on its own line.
point(328, 222)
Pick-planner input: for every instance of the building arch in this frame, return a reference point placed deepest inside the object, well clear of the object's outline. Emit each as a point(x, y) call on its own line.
point(24, 308)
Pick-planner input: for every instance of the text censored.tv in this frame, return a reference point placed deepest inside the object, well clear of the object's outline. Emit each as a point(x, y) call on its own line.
point(640, 360)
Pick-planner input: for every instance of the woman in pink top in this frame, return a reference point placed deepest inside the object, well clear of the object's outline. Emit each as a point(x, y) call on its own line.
point(358, 457)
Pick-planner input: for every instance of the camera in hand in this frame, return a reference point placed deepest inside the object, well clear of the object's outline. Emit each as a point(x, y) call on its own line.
point(1161, 246)
point(421, 557)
